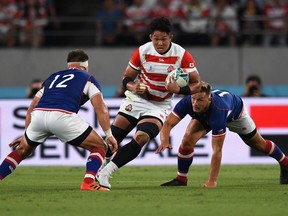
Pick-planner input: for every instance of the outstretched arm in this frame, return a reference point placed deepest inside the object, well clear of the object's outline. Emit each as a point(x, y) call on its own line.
point(170, 122)
point(217, 145)
point(104, 120)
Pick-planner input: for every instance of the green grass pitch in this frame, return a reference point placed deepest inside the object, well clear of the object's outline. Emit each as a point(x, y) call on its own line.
point(242, 190)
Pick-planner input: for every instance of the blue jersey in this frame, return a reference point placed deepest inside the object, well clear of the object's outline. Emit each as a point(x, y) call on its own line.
point(224, 107)
point(64, 90)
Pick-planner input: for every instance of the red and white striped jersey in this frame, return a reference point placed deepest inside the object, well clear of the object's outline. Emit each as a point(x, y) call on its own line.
point(154, 67)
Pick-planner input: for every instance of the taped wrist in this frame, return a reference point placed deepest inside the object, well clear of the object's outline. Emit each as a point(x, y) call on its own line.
point(185, 90)
point(108, 133)
point(125, 81)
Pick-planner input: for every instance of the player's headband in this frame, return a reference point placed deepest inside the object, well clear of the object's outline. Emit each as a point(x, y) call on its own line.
point(83, 64)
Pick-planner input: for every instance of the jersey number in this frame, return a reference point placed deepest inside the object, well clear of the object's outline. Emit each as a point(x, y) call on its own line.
point(221, 94)
point(62, 83)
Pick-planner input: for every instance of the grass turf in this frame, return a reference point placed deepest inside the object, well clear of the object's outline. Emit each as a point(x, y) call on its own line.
point(242, 190)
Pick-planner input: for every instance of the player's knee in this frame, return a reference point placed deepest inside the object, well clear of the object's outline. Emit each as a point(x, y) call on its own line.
point(146, 131)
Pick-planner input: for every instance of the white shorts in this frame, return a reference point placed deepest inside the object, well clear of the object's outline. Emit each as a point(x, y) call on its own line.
point(243, 125)
point(65, 127)
point(137, 107)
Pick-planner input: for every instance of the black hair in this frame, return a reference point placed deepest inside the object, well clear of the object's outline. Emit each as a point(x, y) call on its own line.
point(161, 24)
point(77, 56)
point(255, 78)
point(205, 87)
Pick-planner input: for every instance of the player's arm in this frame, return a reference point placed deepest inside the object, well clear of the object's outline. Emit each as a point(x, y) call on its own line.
point(217, 145)
point(171, 121)
point(102, 112)
point(194, 81)
point(32, 105)
point(129, 76)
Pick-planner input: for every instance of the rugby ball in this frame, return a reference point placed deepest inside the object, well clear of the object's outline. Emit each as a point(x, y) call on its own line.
point(180, 75)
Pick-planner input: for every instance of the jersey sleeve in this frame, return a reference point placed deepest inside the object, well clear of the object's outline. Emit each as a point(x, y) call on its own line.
point(218, 123)
point(92, 87)
point(188, 61)
point(135, 61)
point(183, 107)
point(95, 82)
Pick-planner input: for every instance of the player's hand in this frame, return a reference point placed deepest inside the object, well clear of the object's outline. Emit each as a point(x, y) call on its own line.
point(162, 147)
point(209, 184)
point(171, 85)
point(139, 88)
point(112, 143)
point(15, 143)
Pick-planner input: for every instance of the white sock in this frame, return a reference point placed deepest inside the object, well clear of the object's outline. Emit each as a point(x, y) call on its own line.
point(110, 168)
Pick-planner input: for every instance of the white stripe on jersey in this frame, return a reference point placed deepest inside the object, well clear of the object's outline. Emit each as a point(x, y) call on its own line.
point(90, 89)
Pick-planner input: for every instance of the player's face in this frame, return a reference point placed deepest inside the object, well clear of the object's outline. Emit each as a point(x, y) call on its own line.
point(161, 41)
point(200, 102)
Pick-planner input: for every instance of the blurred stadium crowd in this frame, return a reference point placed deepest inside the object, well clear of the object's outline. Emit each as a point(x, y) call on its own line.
point(48, 23)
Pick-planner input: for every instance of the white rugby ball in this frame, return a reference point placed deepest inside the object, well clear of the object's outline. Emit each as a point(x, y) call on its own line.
point(181, 77)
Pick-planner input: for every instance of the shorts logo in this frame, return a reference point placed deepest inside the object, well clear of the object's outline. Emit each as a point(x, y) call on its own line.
point(191, 65)
point(129, 108)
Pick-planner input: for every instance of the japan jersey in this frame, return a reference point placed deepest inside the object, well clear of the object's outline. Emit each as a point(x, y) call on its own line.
point(67, 90)
point(224, 107)
point(154, 67)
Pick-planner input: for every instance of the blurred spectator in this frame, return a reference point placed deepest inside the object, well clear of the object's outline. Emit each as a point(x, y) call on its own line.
point(170, 10)
point(224, 24)
point(250, 13)
point(52, 13)
point(8, 27)
point(34, 87)
point(33, 18)
point(109, 23)
point(253, 87)
point(195, 24)
point(276, 22)
point(136, 16)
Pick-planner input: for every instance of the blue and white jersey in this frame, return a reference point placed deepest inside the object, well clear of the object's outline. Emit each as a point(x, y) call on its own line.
point(68, 90)
point(224, 107)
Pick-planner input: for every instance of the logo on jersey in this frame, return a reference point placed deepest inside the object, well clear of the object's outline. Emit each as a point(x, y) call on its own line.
point(129, 108)
point(170, 68)
point(221, 131)
point(191, 65)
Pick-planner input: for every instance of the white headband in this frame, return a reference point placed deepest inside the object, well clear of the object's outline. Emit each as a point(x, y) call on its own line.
point(83, 64)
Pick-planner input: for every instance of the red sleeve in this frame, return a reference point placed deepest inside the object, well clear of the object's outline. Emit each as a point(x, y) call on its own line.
point(135, 59)
point(188, 61)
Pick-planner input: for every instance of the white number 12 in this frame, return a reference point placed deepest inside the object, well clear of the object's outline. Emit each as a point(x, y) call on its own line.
point(62, 83)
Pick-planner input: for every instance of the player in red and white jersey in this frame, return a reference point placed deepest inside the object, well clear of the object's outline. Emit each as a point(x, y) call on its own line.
point(148, 97)
point(153, 68)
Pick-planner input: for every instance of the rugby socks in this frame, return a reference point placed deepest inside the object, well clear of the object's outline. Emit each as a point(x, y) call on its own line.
point(9, 164)
point(185, 159)
point(127, 153)
point(94, 162)
point(275, 152)
point(123, 156)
